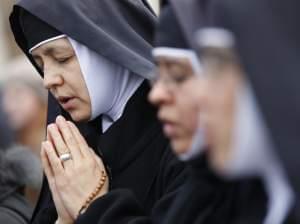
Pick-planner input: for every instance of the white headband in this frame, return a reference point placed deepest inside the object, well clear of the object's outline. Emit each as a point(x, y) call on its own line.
point(178, 53)
point(46, 41)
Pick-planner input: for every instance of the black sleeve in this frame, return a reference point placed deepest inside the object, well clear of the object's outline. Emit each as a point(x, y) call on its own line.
point(45, 211)
point(207, 198)
point(120, 206)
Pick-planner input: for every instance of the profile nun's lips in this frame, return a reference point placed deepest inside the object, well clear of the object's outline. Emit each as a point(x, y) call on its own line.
point(169, 128)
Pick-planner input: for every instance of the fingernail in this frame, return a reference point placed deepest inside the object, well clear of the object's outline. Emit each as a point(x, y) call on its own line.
point(49, 126)
point(52, 126)
point(60, 118)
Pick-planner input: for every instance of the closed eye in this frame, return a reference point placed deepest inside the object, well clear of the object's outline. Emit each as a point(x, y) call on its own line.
point(63, 60)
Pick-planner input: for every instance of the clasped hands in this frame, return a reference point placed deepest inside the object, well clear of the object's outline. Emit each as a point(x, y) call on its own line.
point(71, 180)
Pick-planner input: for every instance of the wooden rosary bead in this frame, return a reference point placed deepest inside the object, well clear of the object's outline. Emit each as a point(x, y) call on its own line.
point(94, 193)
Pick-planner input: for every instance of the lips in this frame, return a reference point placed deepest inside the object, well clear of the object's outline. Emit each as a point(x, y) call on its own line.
point(66, 102)
point(169, 128)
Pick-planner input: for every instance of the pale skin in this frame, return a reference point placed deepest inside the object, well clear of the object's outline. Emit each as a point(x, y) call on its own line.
point(219, 111)
point(177, 101)
point(73, 181)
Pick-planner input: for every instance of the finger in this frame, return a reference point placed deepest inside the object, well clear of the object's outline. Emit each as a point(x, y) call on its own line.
point(97, 159)
point(69, 138)
point(47, 168)
point(80, 139)
point(57, 139)
point(49, 175)
point(54, 161)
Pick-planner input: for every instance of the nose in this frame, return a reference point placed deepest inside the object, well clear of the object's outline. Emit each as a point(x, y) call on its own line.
point(159, 95)
point(52, 79)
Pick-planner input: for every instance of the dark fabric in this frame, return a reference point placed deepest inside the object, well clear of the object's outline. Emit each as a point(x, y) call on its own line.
point(206, 198)
point(163, 3)
point(121, 31)
point(35, 30)
point(168, 32)
point(145, 175)
point(191, 15)
point(292, 217)
point(271, 62)
point(14, 209)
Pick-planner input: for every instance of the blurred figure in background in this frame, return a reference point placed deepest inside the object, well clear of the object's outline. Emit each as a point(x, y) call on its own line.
point(19, 168)
point(179, 91)
point(25, 103)
point(252, 121)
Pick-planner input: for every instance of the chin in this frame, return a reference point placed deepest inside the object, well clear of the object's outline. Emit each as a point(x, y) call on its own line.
point(79, 117)
point(180, 146)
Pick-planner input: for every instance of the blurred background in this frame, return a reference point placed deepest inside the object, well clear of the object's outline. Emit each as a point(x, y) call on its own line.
point(23, 100)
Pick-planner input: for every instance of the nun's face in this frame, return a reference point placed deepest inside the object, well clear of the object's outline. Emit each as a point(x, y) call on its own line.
point(63, 77)
point(219, 112)
point(177, 105)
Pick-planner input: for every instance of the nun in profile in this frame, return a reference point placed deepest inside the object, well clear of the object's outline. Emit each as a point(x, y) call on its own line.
point(257, 77)
point(109, 163)
point(179, 91)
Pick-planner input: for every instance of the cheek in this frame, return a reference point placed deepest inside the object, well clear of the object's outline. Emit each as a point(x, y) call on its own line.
point(82, 108)
point(186, 128)
point(222, 123)
point(76, 82)
point(188, 113)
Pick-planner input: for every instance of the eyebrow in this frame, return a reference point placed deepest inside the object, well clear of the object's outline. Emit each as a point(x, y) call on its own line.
point(176, 65)
point(57, 50)
point(54, 50)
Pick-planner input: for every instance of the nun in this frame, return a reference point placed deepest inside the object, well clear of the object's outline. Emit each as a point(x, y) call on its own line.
point(109, 163)
point(257, 76)
point(179, 92)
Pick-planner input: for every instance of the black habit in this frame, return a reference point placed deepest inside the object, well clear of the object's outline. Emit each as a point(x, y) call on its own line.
point(144, 174)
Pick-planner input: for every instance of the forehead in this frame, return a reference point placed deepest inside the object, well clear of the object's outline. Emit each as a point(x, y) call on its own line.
point(55, 46)
point(170, 61)
point(175, 64)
